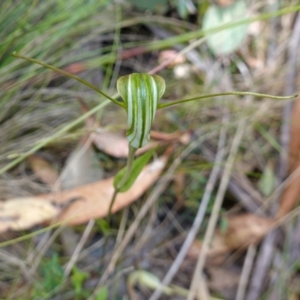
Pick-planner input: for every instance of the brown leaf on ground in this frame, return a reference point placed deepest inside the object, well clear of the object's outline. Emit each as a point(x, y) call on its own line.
point(216, 255)
point(79, 204)
point(180, 136)
point(173, 56)
point(115, 144)
point(112, 143)
point(179, 186)
point(23, 213)
point(223, 281)
point(82, 166)
point(246, 229)
point(291, 194)
point(95, 197)
point(242, 231)
point(43, 170)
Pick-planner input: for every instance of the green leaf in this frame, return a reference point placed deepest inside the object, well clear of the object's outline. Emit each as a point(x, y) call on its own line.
point(227, 40)
point(267, 181)
point(182, 9)
point(102, 294)
point(151, 5)
point(103, 226)
point(141, 93)
point(137, 167)
point(52, 273)
point(78, 277)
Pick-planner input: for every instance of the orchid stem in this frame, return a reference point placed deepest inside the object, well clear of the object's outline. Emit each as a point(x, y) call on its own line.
point(163, 105)
point(130, 160)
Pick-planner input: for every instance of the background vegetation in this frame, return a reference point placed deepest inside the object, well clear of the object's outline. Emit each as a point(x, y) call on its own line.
point(220, 210)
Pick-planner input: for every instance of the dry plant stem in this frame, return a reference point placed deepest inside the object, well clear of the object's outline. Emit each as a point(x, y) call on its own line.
point(294, 252)
point(122, 226)
point(216, 209)
point(39, 253)
point(198, 219)
point(293, 54)
point(8, 258)
point(130, 160)
point(162, 184)
point(79, 247)
point(264, 258)
point(247, 267)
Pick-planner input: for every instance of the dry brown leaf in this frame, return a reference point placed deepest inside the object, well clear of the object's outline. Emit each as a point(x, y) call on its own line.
point(23, 213)
point(80, 204)
point(92, 200)
point(246, 229)
point(110, 142)
point(216, 255)
point(115, 144)
point(242, 231)
point(291, 193)
point(43, 170)
point(179, 186)
point(183, 137)
point(173, 56)
point(225, 3)
point(223, 281)
point(82, 166)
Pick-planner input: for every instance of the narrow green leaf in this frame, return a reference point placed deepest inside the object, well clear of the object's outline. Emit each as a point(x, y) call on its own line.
point(141, 93)
point(102, 294)
point(137, 167)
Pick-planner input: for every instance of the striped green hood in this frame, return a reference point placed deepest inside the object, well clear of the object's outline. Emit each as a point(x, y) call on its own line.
point(141, 93)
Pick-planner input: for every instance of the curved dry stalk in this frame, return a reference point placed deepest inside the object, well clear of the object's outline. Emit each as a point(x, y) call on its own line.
point(198, 219)
point(216, 208)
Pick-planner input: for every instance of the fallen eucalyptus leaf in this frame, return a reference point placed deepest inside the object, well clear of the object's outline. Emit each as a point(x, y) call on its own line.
point(23, 213)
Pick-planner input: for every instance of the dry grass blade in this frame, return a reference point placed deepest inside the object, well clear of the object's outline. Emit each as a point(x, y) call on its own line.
point(216, 208)
point(291, 192)
point(266, 253)
point(198, 219)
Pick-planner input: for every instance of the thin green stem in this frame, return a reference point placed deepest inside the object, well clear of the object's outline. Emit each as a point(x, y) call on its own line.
point(130, 160)
point(163, 105)
point(69, 75)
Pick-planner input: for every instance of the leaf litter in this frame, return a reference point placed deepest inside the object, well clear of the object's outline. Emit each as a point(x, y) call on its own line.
point(77, 205)
point(241, 229)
